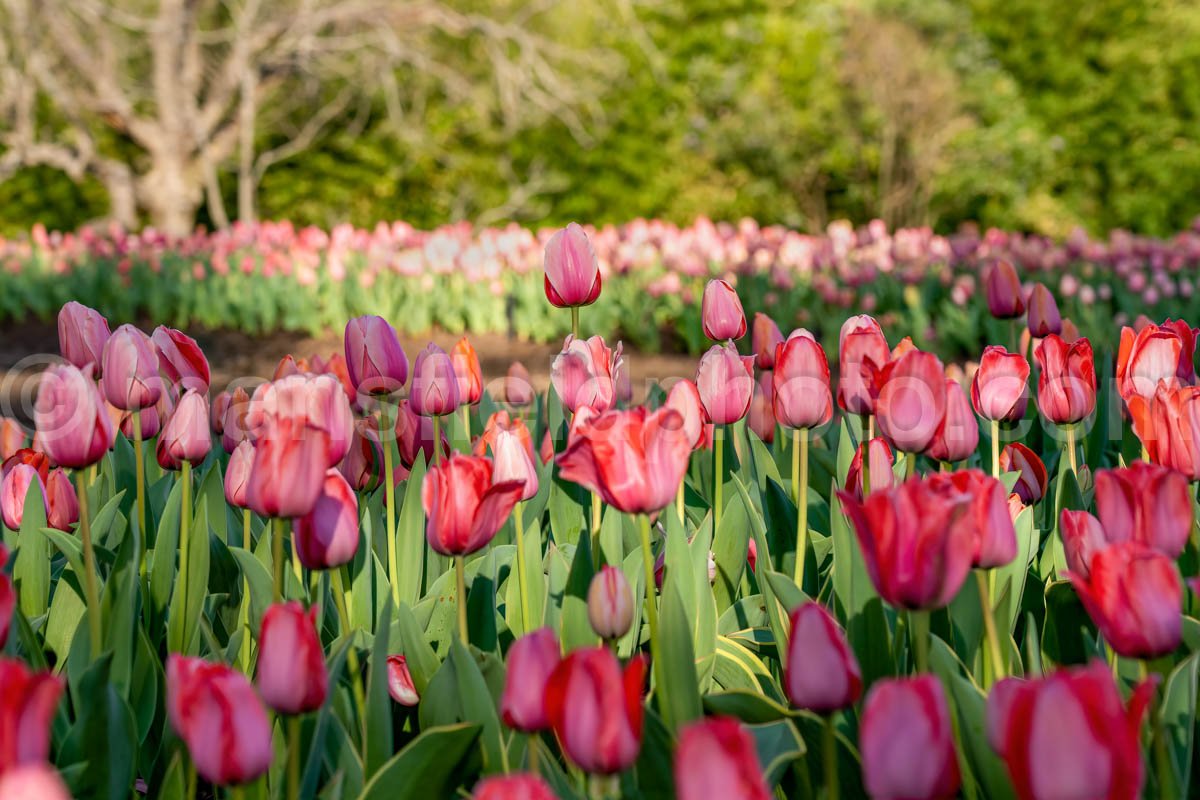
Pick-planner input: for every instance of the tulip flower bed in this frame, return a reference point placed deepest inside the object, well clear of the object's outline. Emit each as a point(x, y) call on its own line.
point(369, 578)
point(273, 276)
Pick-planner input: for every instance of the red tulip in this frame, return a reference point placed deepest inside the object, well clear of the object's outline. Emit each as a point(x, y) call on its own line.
point(1155, 353)
point(291, 674)
point(717, 757)
point(995, 537)
point(186, 436)
point(82, 333)
point(131, 381)
point(237, 475)
point(802, 394)
point(582, 374)
point(862, 354)
point(374, 359)
point(464, 505)
point(765, 336)
point(684, 397)
point(1134, 596)
point(635, 460)
point(72, 423)
point(517, 786)
point(62, 501)
point(12, 437)
point(1000, 390)
point(1083, 536)
point(1004, 291)
point(907, 741)
point(14, 489)
point(1043, 318)
point(362, 466)
point(289, 467)
point(532, 659)
point(517, 388)
point(1069, 734)
point(721, 312)
point(881, 473)
point(822, 674)
point(27, 707)
point(917, 540)
point(572, 274)
point(726, 385)
point(467, 371)
point(327, 536)
point(29, 457)
point(1168, 426)
point(596, 711)
point(33, 782)
point(1067, 383)
point(958, 435)
point(761, 417)
point(912, 401)
point(217, 713)
point(1031, 483)
point(400, 682)
point(610, 603)
point(181, 359)
point(1146, 503)
point(414, 436)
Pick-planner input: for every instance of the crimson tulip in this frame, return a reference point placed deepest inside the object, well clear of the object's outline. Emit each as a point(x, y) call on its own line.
point(721, 312)
point(1031, 483)
point(532, 659)
point(237, 475)
point(862, 354)
point(362, 466)
point(181, 359)
point(725, 383)
point(610, 603)
point(1135, 596)
point(61, 500)
point(517, 786)
point(801, 382)
point(186, 436)
point(33, 781)
point(291, 674)
point(582, 374)
point(72, 424)
point(327, 536)
point(995, 537)
point(13, 491)
point(375, 362)
point(12, 437)
point(130, 370)
point(465, 505)
point(467, 371)
point(717, 757)
point(958, 435)
point(217, 713)
point(765, 336)
point(1043, 318)
point(684, 397)
point(761, 417)
point(27, 707)
point(1153, 354)
point(912, 401)
point(572, 274)
point(1147, 503)
point(595, 709)
point(1082, 536)
point(1003, 287)
point(82, 334)
point(907, 741)
point(1000, 390)
point(1067, 381)
point(400, 682)
point(821, 674)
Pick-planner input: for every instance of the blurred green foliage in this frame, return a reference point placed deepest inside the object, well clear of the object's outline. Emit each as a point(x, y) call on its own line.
point(1018, 113)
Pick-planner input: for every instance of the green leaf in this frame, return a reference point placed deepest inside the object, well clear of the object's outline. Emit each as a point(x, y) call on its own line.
point(1178, 711)
point(410, 537)
point(428, 767)
point(1067, 628)
point(676, 683)
point(730, 544)
point(31, 566)
point(162, 560)
point(749, 706)
point(478, 705)
point(261, 586)
point(183, 629)
point(103, 738)
point(422, 661)
point(779, 745)
point(576, 628)
point(378, 746)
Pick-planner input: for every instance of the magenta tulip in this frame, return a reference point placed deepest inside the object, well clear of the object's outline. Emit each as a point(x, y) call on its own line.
point(131, 381)
point(572, 274)
point(531, 661)
point(907, 741)
point(327, 536)
point(721, 312)
point(822, 674)
point(82, 333)
point(72, 423)
point(181, 359)
point(374, 359)
point(291, 674)
point(717, 757)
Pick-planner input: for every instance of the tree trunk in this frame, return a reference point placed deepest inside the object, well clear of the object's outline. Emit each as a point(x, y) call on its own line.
point(171, 193)
point(122, 193)
point(247, 185)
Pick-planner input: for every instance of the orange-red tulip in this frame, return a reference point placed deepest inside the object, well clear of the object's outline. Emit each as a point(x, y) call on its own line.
point(464, 504)
point(467, 371)
point(1153, 354)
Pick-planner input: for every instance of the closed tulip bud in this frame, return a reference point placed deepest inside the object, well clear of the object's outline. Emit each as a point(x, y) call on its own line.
point(912, 401)
point(1044, 319)
point(610, 603)
point(1153, 354)
point(217, 713)
point(12, 437)
point(181, 359)
point(1067, 382)
point(62, 501)
point(721, 312)
point(1069, 734)
point(531, 661)
point(596, 710)
point(802, 394)
point(496, 423)
point(468, 372)
point(822, 674)
point(237, 475)
point(958, 436)
point(1164, 426)
point(362, 466)
point(862, 354)
point(1031, 483)
point(288, 471)
point(1000, 390)
point(684, 397)
point(761, 417)
point(918, 542)
point(186, 436)
point(414, 436)
point(654, 456)
point(583, 374)
point(1134, 595)
point(27, 707)
point(1147, 503)
point(435, 385)
point(291, 674)
point(13, 491)
point(717, 757)
point(33, 782)
point(881, 473)
point(726, 386)
point(517, 786)
point(1004, 297)
point(765, 337)
point(513, 460)
point(572, 274)
point(517, 389)
point(130, 380)
point(400, 682)
point(907, 741)
point(464, 504)
point(375, 361)
point(327, 537)
point(82, 334)
point(74, 428)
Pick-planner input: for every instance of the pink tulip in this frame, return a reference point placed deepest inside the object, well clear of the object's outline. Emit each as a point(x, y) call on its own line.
point(986, 513)
point(1083, 536)
point(717, 757)
point(130, 380)
point(721, 312)
point(235, 426)
point(362, 466)
point(596, 710)
point(761, 417)
point(1031, 482)
point(327, 536)
point(400, 682)
point(62, 501)
point(291, 674)
point(1000, 390)
point(72, 423)
point(82, 333)
point(958, 436)
point(517, 389)
point(532, 659)
point(822, 674)
point(907, 741)
point(374, 359)
point(881, 473)
point(288, 471)
point(465, 505)
point(1004, 291)
point(1067, 380)
point(513, 461)
point(862, 354)
point(435, 384)
point(516, 786)
point(802, 394)
point(582, 374)
point(726, 386)
point(33, 782)
point(1043, 317)
point(414, 436)
point(765, 337)
point(186, 436)
point(610, 603)
point(912, 401)
point(13, 491)
point(684, 397)
point(181, 359)
point(237, 475)
point(572, 274)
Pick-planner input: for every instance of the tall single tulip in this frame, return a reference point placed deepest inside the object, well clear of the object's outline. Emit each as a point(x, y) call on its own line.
point(572, 274)
point(1135, 597)
point(291, 674)
point(517, 786)
point(374, 359)
point(596, 710)
point(82, 333)
point(288, 471)
point(907, 741)
point(327, 536)
point(465, 505)
point(912, 401)
point(765, 336)
point(217, 713)
point(131, 381)
point(13, 491)
point(27, 706)
point(181, 359)
point(582, 374)
point(61, 500)
point(1000, 390)
point(822, 674)
point(634, 459)
point(610, 603)
point(400, 682)
point(684, 397)
point(958, 435)
point(12, 437)
point(801, 381)
point(726, 384)
point(467, 371)
point(862, 354)
point(1043, 318)
point(1153, 354)
point(1067, 381)
point(1147, 503)
point(362, 465)
point(72, 423)
point(1003, 287)
point(721, 312)
point(717, 757)
point(237, 475)
point(880, 468)
point(186, 436)
point(1069, 734)
point(532, 659)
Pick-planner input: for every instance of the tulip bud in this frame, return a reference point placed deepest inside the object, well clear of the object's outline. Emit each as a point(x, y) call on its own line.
point(375, 362)
point(610, 603)
point(181, 359)
point(1004, 291)
point(363, 465)
point(531, 661)
point(717, 757)
point(765, 336)
point(862, 354)
point(572, 274)
point(291, 675)
point(82, 333)
point(131, 381)
point(30, 457)
point(1044, 319)
point(513, 460)
point(237, 475)
point(1000, 390)
point(186, 435)
point(12, 437)
point(218, 408)
point(234, 425)
point(907, 741)
point(721, 312)
point(62, 501)
point(73, 426)
point(287, 367)
point(822, 674)
point(517, 390)
point(726, 386)
point(596, 710)
point(13, 491)
point(27, 707)
point(516, 786)
point(327, 536)
point(400, 682)
point(1031, 483)
point(33, 782)
point(414, 436)
point(802, 397)
point(1070, 331)
point(467, 371)
point(1148, 503)
point(435, 385)
point(1067, 381)
point(958, 436)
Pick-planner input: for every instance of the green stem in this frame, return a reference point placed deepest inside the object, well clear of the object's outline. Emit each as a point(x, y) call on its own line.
point(993, 663)
point(91, 586)
point(718, 468)
point(190, 790)
point(918, 631)
point(800, 446)
point(246, 545)
point(831, 776)
point(139, 463)
point(388, 438)
point(460, 574)
point(297, 569)
point(679, 506)
point(293, 765)
point(1070, 431)
point(870, 426)
point(651, 609)
point(575, 321)
point(522, 583)
point(995, 448)
point(910, 465)
point(277, 558)
point(531, 748)
point(437, 439)
point(466, 420)
point(338, 590)
point(185, 542)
